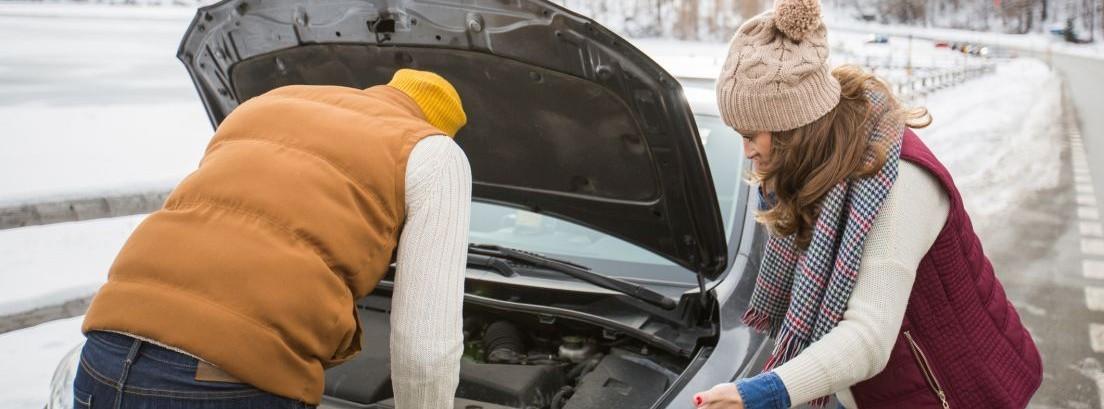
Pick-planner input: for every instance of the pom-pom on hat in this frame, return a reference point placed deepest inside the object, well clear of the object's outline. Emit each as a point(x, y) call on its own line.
point(795, 18)
point(776, 76)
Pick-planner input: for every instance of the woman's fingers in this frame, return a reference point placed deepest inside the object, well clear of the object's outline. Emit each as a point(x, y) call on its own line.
point(722, 396)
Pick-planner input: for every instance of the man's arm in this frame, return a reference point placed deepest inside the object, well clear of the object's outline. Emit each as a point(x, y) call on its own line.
point(426, 320)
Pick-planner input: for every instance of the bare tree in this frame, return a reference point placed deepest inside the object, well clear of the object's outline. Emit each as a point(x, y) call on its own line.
point(686, 26)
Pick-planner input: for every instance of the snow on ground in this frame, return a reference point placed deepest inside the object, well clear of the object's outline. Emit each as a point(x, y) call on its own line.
point(90, 104)
point(51, 264)
point(96, 11)
point(684, 58)
point(82, 151)
point(1032, 42)
point(28, 358)
point(1000, 136)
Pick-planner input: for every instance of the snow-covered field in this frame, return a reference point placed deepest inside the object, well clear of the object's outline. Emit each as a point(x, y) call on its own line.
point(90, 103)
point(48, 265)
point(95, 104)
point(1000, 136)
point(28, 358)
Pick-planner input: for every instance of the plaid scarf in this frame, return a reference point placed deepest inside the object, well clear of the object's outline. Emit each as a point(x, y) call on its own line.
point(799, 295)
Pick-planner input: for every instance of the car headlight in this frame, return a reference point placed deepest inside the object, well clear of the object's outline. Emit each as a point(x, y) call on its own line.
point(61, 386)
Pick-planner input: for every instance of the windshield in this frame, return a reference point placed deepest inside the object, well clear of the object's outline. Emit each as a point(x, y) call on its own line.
point(511, 227)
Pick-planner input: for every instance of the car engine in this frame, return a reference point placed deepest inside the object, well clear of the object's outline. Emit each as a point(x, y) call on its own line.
point(518, 360)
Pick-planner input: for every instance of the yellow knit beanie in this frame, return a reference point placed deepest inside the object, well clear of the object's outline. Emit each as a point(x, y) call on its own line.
point(435, 95)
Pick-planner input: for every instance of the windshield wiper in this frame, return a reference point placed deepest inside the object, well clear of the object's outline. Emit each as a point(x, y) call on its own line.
point(495, 262)
point(494, 257)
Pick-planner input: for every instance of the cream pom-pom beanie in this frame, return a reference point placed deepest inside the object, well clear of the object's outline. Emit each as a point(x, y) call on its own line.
point(776, 76)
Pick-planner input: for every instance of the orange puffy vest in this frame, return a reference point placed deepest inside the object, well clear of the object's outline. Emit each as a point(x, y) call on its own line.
point(256, 258)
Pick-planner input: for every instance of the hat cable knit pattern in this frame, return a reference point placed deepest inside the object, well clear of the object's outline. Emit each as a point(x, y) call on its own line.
point(776, 76)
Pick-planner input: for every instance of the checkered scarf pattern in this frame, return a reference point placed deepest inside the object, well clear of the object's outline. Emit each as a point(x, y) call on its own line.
point(799, 295)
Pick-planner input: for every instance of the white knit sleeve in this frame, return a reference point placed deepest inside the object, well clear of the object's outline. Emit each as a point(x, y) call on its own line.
point(859, 348)
point(426, 321)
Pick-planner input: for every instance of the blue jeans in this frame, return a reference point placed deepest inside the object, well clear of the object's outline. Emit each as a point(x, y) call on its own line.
point(117, 371)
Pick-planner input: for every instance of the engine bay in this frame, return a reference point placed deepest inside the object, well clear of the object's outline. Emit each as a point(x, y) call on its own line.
point(517, 360)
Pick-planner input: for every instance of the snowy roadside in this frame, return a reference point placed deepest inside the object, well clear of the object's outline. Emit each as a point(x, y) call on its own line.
point(83, 151)
point(52, 264)
point(1027, 42)
point(29, 357)
point(90, 106)
point(998, 137)
point(96, 11)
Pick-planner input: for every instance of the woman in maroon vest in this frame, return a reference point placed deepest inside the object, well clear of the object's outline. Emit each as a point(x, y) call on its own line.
point(873, 282)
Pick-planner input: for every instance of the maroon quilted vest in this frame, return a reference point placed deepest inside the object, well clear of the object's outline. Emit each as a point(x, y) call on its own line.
point(961, 344)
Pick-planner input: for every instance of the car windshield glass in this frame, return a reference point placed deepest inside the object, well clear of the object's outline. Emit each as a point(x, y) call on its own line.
point(508, 226)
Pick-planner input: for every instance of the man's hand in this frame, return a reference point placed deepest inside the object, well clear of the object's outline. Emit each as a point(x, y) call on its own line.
point(722, 396)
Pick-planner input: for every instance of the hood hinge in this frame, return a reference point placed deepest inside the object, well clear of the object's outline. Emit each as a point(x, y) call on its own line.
point(703, 296)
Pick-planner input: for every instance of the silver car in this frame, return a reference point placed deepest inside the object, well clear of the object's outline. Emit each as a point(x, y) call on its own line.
point(614, 247)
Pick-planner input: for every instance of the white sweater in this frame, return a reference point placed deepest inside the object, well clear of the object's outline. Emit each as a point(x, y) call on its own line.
point(426, 321)
point(859, 348)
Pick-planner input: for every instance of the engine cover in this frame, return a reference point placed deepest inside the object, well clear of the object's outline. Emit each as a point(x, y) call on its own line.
point(459, 403)
point(621, 380)
point(517, 386)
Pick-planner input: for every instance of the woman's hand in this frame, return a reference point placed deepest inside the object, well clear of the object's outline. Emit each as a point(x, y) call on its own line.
point(723, 396)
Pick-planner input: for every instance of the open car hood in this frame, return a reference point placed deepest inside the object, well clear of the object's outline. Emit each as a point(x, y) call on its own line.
point(565, 117)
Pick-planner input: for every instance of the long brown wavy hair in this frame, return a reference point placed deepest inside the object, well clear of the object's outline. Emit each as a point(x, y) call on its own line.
point(805, 163)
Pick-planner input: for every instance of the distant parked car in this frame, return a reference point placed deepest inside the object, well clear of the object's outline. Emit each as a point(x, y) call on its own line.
point(878, 39)
point(1070, 35)
point(942, 44)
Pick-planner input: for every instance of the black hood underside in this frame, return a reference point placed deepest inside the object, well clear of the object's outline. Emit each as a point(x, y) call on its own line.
point(565, 118)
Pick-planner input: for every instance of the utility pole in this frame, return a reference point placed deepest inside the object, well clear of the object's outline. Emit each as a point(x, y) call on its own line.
point(1100, 10)
point(1092, 20)
point(908, 63)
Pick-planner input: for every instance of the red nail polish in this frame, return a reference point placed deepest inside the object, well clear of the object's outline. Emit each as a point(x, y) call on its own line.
point(697, 400)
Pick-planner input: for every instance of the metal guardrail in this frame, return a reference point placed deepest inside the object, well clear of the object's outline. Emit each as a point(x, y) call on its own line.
point(922, 85)
point(59, 211)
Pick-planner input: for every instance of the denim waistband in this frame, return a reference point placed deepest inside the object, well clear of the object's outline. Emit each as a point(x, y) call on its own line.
point(123, 343)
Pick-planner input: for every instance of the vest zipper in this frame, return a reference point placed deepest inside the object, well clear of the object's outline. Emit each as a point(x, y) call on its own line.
point(925, 368)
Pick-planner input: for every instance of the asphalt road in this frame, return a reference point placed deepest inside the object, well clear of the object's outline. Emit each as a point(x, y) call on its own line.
point(1085, 83)
point(1047, 254)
